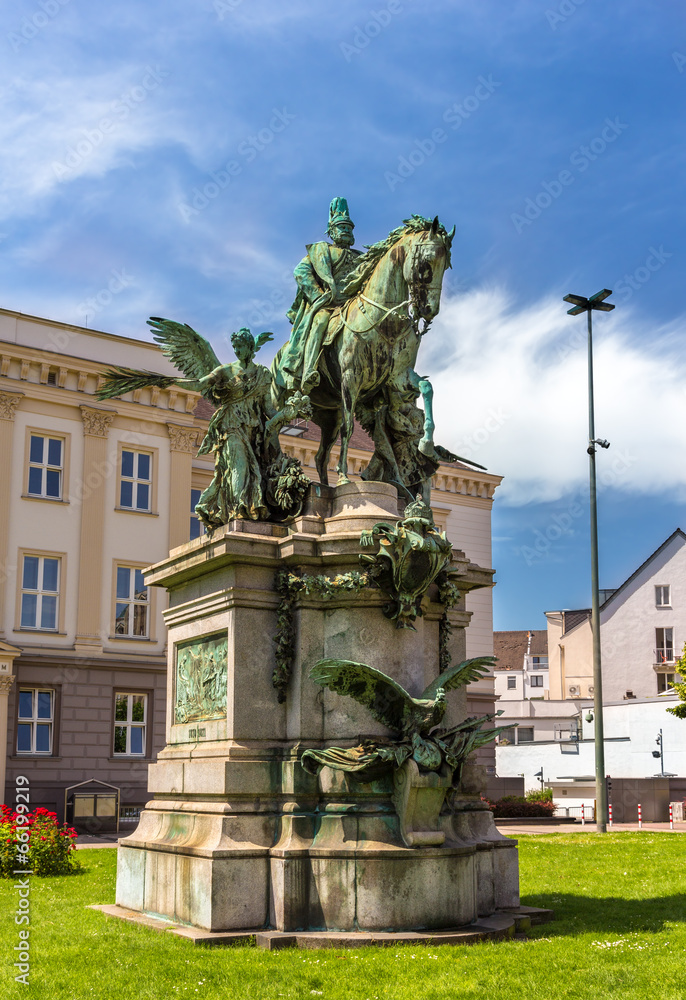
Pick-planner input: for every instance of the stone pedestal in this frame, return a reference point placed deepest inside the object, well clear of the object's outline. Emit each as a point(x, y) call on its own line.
point(237, 834)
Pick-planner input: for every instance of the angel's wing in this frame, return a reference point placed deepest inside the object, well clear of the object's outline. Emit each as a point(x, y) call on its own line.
point(460, 674)
point(119, 381)
point(386, 700)
point(185, 348)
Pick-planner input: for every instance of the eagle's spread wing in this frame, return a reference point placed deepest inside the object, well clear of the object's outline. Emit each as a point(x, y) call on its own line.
point(460, 674)
point(185, 348)
point(387, 701)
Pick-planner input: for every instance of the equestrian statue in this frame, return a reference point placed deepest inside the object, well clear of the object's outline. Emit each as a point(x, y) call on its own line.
point(357, 322)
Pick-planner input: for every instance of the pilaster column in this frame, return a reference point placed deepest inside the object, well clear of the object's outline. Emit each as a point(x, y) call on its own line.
point(182, 445)
point(7, 657)
point(96, 425)
point(9, 401)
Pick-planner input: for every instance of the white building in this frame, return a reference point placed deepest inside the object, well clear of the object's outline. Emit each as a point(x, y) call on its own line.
point(631, 730)
point(642, 629)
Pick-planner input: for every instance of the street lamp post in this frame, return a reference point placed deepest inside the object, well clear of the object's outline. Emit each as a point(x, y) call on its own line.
point(580, 305)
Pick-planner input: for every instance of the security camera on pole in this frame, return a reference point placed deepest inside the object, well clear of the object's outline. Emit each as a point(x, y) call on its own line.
point(581, 304)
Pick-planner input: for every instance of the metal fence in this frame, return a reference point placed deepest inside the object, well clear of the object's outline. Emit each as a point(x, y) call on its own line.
point(574, 812)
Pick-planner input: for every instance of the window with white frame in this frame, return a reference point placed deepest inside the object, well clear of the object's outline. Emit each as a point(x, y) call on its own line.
point(665, 682)
point(197, 527)
point(539, 662)
point(130, 712)
point(664, 645)
point(511, 683)
point(662, 597)
point(525, 734)
point(536, 681)
point(46, 467)
point(135, 485)
point(132, 604)
point(35, 720)
point(40, 584)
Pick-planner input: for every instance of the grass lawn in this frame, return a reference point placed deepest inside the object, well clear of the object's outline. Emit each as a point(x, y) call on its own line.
point(620, 901)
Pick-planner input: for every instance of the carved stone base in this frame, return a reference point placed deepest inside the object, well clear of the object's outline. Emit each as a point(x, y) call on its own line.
point(237, 835)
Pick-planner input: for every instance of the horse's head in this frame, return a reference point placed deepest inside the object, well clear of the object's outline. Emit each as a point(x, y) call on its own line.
point(426, 259)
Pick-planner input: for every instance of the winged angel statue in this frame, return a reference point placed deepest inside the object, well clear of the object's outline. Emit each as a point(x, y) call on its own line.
point(252, 477)
point(415, 721)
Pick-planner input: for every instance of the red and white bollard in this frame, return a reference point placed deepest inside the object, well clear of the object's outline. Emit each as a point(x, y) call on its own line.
point(583, 815)
point(609, 813)
point(640, 821)
point(671, 817)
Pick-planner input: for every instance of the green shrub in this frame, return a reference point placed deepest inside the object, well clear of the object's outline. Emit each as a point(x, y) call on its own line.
point(539, 795)
point(51, 845)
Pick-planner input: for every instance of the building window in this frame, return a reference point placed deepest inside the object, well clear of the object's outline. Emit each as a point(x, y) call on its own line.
point(662, 597)
point(507, 735)
point(46, 466)
point(135, 487)
point(197, 527)
point(35, 720)
point(664, 645)
point(129, 724)
point(665, 682)
point(511, 683)
point(132, 604)
point(536, 681)
point(40, 584)
point(539, 662)
point(525, 734)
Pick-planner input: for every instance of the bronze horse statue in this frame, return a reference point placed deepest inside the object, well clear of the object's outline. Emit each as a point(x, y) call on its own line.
point(373, 335)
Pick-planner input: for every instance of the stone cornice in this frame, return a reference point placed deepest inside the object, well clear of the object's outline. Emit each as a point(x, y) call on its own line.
point(183, 438)
point(21, 363)
point(96, 423)
point(9, 401)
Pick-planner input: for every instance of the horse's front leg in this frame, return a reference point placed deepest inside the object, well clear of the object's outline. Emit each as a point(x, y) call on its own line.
point(426, 445)
point(349, 397)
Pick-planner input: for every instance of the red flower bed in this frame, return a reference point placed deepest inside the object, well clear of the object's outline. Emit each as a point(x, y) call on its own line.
point(37, 836)
point(516, 806)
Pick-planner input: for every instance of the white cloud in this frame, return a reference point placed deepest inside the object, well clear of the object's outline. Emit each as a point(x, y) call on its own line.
point(511, 393)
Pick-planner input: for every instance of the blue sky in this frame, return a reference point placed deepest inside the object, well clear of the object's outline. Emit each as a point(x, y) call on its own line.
point(184, 153)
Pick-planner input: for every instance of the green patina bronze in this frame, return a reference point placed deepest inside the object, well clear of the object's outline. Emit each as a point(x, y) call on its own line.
point(357, 323)
point(200, 679)
point(253, 478)
point(415, 721)
point(411, 556)
point(289, 585)
point(358, 319)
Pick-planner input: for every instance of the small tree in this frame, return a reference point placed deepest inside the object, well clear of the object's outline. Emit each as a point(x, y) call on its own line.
point(680, 709)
